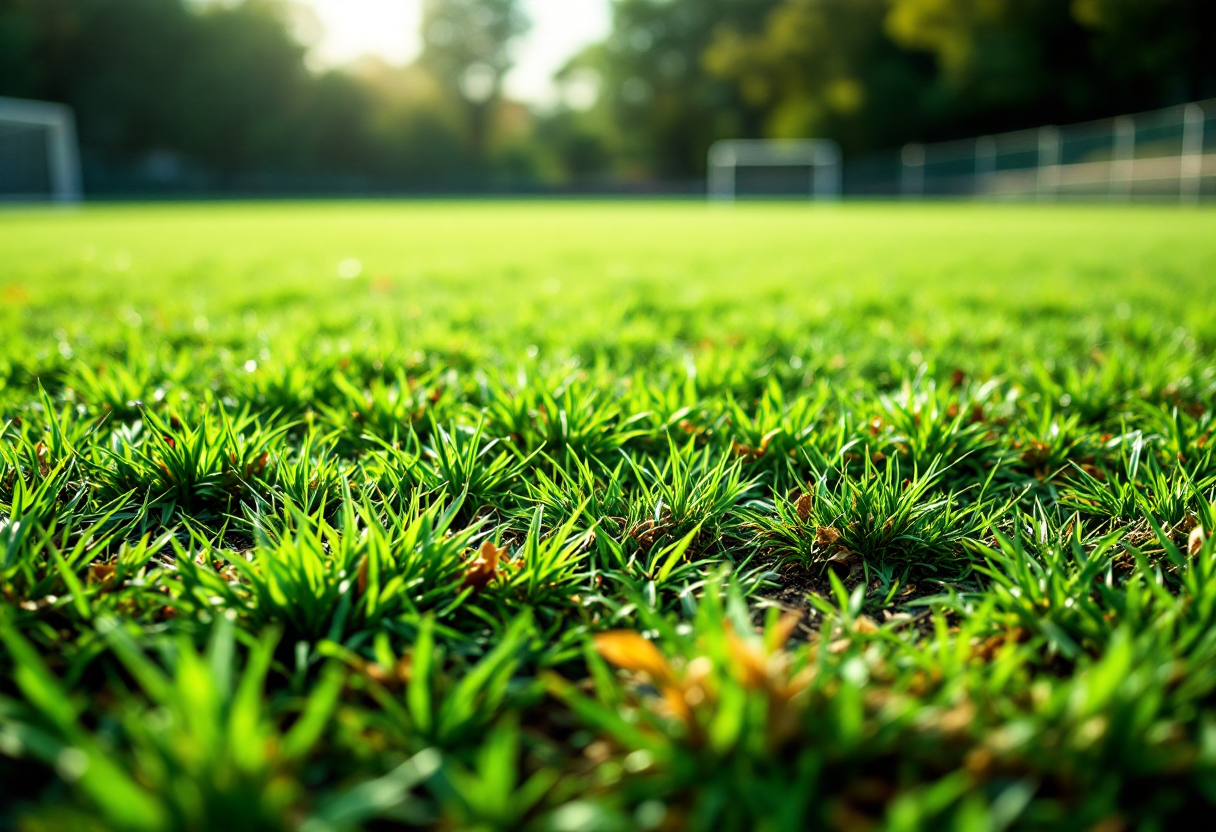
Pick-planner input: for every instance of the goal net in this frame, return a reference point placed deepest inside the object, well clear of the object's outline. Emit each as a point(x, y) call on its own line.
point(39, 158)
point(764, 168)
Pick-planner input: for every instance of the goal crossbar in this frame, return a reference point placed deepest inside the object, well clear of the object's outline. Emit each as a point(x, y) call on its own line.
point(821, 156)
point(63, 154)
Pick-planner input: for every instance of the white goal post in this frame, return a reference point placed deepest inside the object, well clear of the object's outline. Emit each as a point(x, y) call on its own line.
point(821, 157)
point(39, 156)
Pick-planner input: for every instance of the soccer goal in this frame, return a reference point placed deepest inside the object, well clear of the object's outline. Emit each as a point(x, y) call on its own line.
point(806, 168)
point(39, 157)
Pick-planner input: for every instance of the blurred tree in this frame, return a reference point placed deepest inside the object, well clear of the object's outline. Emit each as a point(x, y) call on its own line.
point(20, 70)
point(855, 70)
point(661, 107)
point(416, 131)
point(1163, 46)
point(223, 88)
point(223, 85)
point(466, 45)
point(1010, 62)
point(1022, 62)
point(155, 74)
point(825, 68)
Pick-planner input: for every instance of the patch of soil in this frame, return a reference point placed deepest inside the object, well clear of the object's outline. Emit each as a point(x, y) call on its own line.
point(796, 581)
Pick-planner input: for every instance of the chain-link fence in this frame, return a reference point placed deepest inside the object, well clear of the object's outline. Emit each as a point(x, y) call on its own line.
point(1164, 154)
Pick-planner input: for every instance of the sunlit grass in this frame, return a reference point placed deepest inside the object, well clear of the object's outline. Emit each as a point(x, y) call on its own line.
point(606, 516)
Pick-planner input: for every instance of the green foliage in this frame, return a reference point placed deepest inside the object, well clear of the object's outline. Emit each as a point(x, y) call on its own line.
point(874, 74)
point(200, 754)
point(670, 78)
point(128, 66)
point(879, 517)
point(467, 45)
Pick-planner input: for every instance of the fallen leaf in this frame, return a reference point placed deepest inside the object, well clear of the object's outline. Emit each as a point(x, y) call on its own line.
point(749, 661)
point(979, 761)
point(804, 505)
point(483, 570)
point(629, 650)
point(257, 466)
point(841, 555)
point(1194, 542)
point(101, 573)
point(783, 629)
point(865, 625)
point(826, 535)
point(956, 720)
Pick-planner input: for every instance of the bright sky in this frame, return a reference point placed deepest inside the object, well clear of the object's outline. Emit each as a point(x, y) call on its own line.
point(389, 28)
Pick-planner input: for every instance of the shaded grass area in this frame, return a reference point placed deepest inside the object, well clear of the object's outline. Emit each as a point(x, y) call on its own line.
point(593, 517)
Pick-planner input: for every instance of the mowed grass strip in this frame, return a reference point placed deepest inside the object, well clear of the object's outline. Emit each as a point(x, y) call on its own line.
point(579, 516)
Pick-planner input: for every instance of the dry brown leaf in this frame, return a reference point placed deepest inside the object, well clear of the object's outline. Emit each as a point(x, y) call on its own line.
point(826, 535)
point(100, 573)
point(840, 556)
point(979, 761)
point(750, 662)
point(804, 505)
point(956, 720)
point(483, 570)
point(865, 625)
point(768, 437)
point(784, 629)
point(393, 677)
point(257, 466)
point(629, 650)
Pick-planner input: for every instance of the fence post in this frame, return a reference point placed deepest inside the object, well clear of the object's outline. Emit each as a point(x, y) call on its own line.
point(1191, 174)
point(985, 163)
point(827, 171)
point(722, 162)
point(912, 178)
point(1123, 158)
point(1049, 162)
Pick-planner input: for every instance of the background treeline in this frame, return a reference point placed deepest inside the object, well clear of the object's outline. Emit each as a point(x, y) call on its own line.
point(219, 95)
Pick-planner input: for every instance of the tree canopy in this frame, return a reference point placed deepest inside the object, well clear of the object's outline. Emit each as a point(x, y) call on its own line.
point(226, 88)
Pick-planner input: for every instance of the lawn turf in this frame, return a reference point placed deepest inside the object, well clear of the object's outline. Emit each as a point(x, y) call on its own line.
point(570, 516)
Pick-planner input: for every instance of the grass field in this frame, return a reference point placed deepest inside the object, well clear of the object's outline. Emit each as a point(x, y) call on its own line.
point(596, 516)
